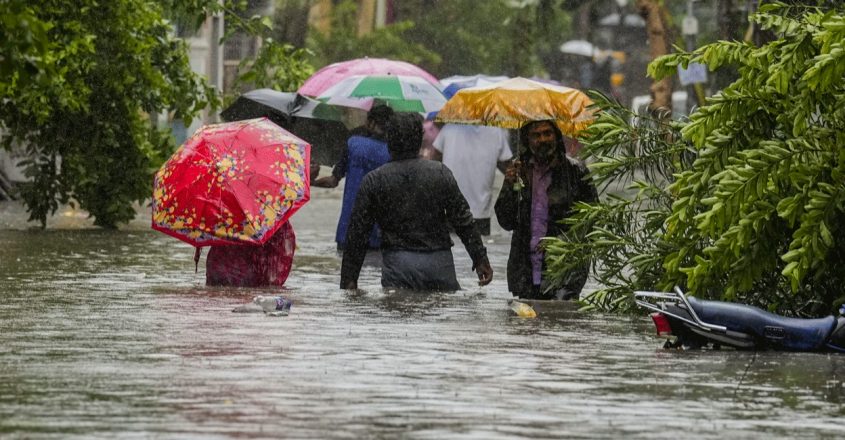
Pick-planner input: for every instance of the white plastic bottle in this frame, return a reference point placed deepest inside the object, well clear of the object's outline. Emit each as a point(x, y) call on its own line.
point(273, 305)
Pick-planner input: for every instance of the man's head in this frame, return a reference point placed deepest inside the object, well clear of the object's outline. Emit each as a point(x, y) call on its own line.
point(543, 139)
point(377, 118)
point(404, 135)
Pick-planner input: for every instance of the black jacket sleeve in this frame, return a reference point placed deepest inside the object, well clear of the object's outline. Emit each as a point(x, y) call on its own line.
point(588, 191)
point(460, 217)
point(506, 207)
point(357, 236)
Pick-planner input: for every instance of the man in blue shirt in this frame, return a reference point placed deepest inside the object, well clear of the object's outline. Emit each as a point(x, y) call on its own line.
point(366, 150)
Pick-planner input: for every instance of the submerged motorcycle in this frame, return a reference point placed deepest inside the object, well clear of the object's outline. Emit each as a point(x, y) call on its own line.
point(691, 323)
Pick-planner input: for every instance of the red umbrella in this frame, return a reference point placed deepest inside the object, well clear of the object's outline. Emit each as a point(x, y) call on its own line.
point(232, 183)
point(330, 75)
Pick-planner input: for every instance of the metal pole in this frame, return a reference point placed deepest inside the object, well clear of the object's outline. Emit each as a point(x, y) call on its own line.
point(215, 70)
point(690, 31)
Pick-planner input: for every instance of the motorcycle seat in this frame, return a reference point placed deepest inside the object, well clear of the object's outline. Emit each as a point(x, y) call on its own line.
point(780, 331)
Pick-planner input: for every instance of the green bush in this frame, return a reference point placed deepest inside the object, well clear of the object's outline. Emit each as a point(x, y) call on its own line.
point(756, 216)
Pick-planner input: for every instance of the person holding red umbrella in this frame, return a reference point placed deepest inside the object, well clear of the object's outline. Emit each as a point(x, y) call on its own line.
point(252, 266)
point(233, 187)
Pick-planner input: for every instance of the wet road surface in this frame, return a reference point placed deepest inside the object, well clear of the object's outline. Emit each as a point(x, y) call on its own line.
point(108, 334)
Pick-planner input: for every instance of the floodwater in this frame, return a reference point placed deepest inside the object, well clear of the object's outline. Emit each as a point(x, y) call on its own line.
point(108, 334)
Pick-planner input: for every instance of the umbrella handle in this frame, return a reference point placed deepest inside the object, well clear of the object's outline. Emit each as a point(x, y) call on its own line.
point(197, 259)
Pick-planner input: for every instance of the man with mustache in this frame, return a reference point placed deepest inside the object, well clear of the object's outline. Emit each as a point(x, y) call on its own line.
point(539, 191)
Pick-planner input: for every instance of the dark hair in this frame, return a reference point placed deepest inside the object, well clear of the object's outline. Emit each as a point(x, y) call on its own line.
point(523, 137)
point(404, 134)
point(379, 115)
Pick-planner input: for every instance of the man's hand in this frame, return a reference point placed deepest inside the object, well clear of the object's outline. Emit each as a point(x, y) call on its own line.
point(484, 271)
point(314, 171)
point(513, 171)
point(326, 182)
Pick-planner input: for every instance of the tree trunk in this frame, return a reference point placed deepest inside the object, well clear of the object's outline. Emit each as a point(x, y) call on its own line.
point(658, 42)
point(290, 22)
point(320, 15)
point(366, 16)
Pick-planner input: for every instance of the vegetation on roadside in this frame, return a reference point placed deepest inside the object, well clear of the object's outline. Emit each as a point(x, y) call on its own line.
point(78, 81)
point(749, 201)
point(76, 96)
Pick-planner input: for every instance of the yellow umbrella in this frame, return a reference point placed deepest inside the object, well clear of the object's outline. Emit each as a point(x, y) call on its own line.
point(512, 103)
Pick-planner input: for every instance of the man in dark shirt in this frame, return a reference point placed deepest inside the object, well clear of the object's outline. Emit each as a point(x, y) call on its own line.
point(413, 200)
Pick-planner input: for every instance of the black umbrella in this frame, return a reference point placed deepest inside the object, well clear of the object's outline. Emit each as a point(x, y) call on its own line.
point(318, 123)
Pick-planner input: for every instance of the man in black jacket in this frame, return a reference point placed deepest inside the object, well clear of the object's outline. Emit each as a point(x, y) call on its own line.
point(413, 200)
point(539, 191)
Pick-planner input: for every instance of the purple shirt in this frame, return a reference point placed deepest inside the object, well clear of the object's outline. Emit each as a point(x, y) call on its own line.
point(541, 178)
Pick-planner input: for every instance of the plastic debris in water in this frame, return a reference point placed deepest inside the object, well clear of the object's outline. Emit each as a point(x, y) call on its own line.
point(522, 309)
point(270, 305)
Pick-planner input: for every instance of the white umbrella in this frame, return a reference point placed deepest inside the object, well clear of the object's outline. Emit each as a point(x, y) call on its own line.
point(476, 80)
point(578, 47)
point(630, 20)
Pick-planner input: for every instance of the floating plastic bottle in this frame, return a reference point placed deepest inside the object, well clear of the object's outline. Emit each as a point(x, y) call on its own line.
point(522, 309)
point(273, 305)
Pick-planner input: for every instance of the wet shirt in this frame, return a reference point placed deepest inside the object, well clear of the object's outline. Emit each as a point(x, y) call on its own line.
point(414, 201)
point(364, 155)
point(252, 266)
point(472, 153)
point(541, 178)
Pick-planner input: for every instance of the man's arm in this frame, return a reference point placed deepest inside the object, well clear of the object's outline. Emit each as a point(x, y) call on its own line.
point(338, 172)
point(588, 191)
point(507, 203)
point(505, 155)
point(360, 225)
point(339, 169)
point(439, 144)
point(503, 166)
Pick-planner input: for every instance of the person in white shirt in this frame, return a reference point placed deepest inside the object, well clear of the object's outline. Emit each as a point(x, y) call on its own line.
point(473, 153)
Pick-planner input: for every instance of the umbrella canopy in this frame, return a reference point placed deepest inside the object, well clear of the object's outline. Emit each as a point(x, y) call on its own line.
point(322, 125)
point(630, 20)
point(232, 183)
point(456, 83)
point(578, 47)
point(330, 75)
point(279, 106)
point(402, 93)
point(512, 103)
point(479, 79)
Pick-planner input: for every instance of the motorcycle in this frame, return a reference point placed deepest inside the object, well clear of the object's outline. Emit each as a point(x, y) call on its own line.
point(690, 323)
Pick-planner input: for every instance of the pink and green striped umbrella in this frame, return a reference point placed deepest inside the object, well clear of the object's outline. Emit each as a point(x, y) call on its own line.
point(402, 93)
point(330, 75)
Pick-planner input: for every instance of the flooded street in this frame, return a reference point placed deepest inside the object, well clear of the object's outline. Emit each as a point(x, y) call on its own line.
point(109, 334)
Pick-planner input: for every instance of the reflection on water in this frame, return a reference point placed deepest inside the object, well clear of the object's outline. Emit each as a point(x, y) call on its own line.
point(111, 332)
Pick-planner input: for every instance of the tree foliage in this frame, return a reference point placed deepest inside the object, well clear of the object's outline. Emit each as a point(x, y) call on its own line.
point(276, 65)
point(633, 158)
point(79, 81)
point(453, 37)
point(494, 37)
point(757, 216)
point(343, 43)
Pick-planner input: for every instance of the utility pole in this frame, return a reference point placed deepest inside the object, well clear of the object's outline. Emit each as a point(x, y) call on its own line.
point(381, 13)
point(689, 28)
point(215, 58)
point(366, 16)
